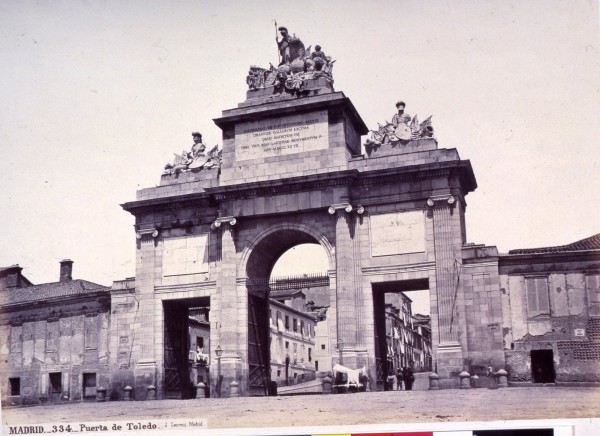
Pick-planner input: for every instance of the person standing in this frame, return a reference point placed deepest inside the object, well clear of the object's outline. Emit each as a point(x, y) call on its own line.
point(399, 378)
point(409, 378)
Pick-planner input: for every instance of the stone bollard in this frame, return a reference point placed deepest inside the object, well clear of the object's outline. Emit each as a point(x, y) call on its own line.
point(465, 380)
point(475, 381)
point(234, 389)
point(200, 391)
point(434, 381)
point(502, 376)
point(127, 393)
point(101, 395)
point(327, 385)
point(151, 392)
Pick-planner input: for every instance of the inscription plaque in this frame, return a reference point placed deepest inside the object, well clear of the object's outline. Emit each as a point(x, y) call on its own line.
point(397, 233)
point(185, 255)
point(281, 136)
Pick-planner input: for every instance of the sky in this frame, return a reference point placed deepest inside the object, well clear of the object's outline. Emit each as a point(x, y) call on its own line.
point(98, 95)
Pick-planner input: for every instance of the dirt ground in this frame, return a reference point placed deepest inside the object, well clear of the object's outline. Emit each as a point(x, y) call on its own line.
point(341, 409)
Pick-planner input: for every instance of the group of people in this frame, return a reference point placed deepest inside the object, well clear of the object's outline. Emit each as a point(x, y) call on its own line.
point(404, 375)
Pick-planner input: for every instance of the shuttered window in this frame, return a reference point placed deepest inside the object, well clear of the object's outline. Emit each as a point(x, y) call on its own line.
point(16, 339)
point(90, 325)
point(592, 284)
point(52, 333)
point(537, 296)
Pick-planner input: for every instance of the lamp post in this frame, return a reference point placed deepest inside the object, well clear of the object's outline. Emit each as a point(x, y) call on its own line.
point(219, 353)
point(340, 345)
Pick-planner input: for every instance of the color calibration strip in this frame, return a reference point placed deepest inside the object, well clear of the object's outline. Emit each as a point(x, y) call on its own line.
point(503, 432)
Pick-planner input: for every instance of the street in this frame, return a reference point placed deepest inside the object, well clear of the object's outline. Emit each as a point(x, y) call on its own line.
point(341, 409)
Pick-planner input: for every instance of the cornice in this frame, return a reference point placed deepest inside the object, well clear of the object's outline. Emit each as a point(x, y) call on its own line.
point(386, 269)
point(208, 200)
point(283, 186)
point(283, 107)
point(100, 297)
point(209, 285)
point(165, 204)
point(462, 168)
point(506, 260)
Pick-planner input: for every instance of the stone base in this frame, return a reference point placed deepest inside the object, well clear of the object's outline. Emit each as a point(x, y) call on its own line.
point(209, 177)
point(269, 94)
point(145, 375)
point(231, 370)
point(449, 360)
point(401, 147)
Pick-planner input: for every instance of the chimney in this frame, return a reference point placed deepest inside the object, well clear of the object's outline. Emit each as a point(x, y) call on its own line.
point(66, 270)
point(11, 277)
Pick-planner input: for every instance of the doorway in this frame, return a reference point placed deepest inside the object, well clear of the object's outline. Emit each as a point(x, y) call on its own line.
point(402, 334)
point(542, 366)
point(55, 385)
point(186, 346)
point(89, 385)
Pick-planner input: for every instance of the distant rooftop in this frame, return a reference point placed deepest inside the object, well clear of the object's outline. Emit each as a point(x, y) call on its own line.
point(49, 291)
point(591, 243)
point(284, 293)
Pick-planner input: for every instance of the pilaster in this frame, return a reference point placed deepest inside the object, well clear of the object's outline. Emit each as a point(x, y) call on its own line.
point(229, 335)
point(449, 354)
point(144, 346)
point(349, 307)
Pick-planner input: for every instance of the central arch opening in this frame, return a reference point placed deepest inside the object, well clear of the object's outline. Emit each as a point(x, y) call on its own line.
point(288, 286)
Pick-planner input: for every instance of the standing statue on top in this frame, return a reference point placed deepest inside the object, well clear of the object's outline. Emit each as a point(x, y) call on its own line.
point(296, 66)
point(290, 47)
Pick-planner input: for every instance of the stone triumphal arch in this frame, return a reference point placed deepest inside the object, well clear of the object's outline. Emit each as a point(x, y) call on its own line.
point(291, 170)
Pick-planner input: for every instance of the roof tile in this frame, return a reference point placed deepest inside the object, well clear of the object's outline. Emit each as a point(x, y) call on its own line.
point(50, 291)
point(591, 243)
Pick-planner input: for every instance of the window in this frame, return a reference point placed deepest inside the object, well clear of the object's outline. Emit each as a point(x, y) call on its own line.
point(287, 345)
point(16, 339)
point(302, 327)
point(287, 322)
point(310, 354)
point(91, 331)
point(55, 382)
point(15, 386)
point(199, 341)
point(322, 346)
point(52, 333)
point(278, 373)
point(295, 324)
point(592, 284)
point(316, 365)
point(89, 385)
point(537, 296)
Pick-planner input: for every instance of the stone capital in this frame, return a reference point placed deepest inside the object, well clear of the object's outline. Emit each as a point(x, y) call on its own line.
point(441, 200)
point(223, 220)
point(147, 234)
point(347, 207)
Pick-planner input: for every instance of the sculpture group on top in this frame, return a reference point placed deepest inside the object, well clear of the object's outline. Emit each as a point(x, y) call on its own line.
point(297, 64)
point(402, 128)
point(196, 159)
